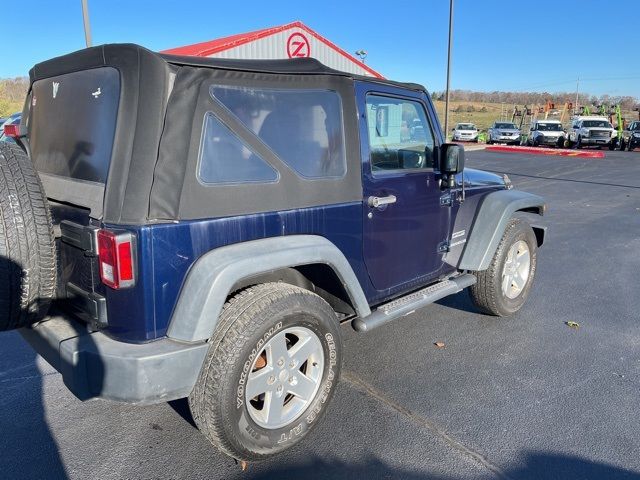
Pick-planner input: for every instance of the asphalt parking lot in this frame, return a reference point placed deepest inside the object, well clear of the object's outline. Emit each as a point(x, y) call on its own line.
point(522, 398)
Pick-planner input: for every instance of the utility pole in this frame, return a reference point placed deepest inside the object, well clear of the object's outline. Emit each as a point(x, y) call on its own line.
point(85, 19)
point(577, 87)
point(446, 101)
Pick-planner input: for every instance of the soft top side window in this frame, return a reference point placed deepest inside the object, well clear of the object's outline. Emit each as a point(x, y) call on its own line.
point(303, 127)
point(224, 158)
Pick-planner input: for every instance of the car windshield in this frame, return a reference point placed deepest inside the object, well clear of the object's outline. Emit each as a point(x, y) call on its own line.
point(635, 126)
point(506, 125)
point(549, 127)
point(466, 126)
point(596, 123)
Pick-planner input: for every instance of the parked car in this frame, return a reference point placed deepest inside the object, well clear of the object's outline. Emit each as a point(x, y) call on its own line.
point(546, 132)
point(211, 249)
point(465, 132)
point(630, 136)
point(504, 132)
point(591, 131)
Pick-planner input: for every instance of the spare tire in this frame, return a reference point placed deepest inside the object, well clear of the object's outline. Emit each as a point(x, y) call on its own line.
point(27, 248)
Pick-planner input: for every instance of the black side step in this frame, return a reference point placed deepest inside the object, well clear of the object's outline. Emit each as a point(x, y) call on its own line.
point(409, 303)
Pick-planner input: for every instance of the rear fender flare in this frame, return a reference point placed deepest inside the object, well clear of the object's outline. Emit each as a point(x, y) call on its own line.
point(213, 277)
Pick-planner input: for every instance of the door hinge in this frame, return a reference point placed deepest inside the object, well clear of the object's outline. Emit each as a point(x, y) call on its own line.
point(446, 200)
point(443, 247)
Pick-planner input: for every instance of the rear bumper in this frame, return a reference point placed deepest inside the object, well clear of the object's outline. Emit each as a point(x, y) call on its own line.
point(94, 365)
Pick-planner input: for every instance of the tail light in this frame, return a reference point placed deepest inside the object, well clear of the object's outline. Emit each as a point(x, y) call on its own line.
point(116, 253)
point(12, 130)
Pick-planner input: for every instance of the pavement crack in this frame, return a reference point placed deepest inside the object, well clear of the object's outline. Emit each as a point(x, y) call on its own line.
point(423, 422)
point(30, 377)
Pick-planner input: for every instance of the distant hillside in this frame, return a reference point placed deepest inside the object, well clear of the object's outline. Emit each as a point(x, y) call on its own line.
point(12, 93)
point(537, 98)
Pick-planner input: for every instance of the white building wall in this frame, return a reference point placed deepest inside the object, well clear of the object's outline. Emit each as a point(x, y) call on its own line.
point(275, 47)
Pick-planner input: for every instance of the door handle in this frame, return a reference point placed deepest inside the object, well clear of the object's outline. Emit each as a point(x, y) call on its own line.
point(377, 202)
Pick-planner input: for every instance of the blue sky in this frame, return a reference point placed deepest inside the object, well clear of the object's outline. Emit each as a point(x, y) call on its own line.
point(539, 45)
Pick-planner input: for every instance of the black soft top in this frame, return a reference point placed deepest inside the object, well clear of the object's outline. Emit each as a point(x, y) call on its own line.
point(162, 106)
point(296, 66)
point(292, 66)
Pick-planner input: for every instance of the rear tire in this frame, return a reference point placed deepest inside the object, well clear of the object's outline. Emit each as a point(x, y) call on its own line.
point(503, 288)
point(258, 330)
point(27, 248)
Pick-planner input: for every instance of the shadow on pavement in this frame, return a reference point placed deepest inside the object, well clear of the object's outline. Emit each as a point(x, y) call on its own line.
point(538, 466)
point(181, 407)
point(27, 447)
point(460, 301)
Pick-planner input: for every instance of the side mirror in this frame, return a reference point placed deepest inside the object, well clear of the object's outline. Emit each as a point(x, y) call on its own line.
point(451, 162)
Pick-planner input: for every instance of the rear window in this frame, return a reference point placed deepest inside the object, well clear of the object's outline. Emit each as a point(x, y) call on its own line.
point(304, 128)
point(72, 123)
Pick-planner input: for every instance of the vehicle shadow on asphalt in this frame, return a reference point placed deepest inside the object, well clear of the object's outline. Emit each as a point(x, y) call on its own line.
point(28, 449)
point(460, 301)
point(536, 466)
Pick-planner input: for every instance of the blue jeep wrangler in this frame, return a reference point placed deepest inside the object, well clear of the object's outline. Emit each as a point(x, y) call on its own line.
point(177, 227)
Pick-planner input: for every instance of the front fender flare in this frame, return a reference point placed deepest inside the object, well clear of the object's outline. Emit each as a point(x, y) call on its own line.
point(490, 223)
point(213, 276)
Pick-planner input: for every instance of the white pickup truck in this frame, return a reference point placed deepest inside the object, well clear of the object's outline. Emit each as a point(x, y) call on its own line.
point(591, 131)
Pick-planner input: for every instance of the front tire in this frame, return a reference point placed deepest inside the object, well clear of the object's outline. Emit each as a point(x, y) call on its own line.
point(503, 288)
point(272, 367)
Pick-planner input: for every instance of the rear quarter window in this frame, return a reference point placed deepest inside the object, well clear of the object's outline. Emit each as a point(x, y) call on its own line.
point(304, 128)
point(224, 158)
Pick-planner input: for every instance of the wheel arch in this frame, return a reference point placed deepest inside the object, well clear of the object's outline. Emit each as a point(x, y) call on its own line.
point(308, 261)
point(490, 222)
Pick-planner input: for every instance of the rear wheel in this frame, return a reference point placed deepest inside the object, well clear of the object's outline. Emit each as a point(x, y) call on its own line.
point(272, 367)
point(27, 249)
point(504, 287)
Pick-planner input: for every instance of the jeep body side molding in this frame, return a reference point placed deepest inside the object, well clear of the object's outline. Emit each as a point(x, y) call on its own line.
point(213, 277)
point(490, 223)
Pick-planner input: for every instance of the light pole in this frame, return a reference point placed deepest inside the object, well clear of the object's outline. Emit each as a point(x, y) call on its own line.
point(446, 99)
point(362, 54)
point(85, 20)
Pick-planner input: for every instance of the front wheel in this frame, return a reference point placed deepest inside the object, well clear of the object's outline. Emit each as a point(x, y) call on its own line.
point(503, 288)
point(272, 367)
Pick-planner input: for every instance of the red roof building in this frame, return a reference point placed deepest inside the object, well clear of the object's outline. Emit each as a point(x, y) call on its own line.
point(286, 41)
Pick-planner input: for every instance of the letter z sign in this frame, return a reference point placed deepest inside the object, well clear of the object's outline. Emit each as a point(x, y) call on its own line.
point(298, 46)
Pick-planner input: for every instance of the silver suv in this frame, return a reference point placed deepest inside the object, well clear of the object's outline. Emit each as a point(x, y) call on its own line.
point(504, 132)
